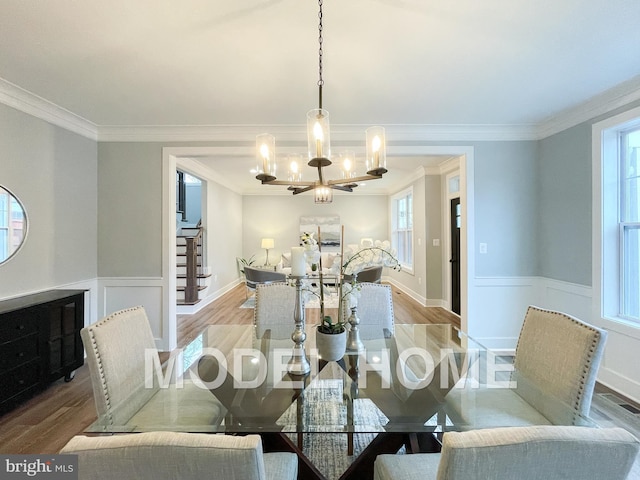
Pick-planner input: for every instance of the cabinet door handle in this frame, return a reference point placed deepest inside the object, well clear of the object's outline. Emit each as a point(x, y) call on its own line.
point(20, 327)
point(21, 354)
point(21, 382)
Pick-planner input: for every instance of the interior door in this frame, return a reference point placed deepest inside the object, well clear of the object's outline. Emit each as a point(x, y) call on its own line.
point(455, 255)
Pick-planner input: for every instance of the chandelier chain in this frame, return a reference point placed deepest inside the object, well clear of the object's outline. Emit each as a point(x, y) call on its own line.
point(320, 39)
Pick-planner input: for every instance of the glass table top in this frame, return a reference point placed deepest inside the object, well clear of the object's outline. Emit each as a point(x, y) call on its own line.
point(416, 378)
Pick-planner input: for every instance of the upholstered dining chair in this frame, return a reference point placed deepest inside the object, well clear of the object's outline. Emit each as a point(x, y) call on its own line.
point(185, 456)
point(117, 347)
point(556, 363)
point(375, 306)
point(549, 452)
point(275, 304)
point(256, 276)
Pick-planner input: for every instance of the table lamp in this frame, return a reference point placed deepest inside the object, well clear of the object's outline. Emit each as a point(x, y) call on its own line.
point(267, 243)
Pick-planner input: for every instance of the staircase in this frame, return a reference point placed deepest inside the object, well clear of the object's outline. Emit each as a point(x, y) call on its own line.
point(190, 278)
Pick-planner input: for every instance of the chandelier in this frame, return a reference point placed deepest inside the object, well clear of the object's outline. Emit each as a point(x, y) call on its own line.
point(319, 152)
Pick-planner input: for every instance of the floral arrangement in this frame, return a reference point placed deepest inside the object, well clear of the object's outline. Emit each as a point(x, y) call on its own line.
point(353, 261)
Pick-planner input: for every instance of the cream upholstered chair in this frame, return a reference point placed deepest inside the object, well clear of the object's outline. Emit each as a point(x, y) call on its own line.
point(556, 363)
point(184, 456)
point(548, 452)
point(275, 304)
point(117, 348)
point(256, 276)
point(375, 307)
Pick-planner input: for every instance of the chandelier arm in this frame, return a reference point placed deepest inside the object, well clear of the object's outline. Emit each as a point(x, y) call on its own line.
point(302, 190)
point(344, 181)
point(344, 188)
point(285, 182)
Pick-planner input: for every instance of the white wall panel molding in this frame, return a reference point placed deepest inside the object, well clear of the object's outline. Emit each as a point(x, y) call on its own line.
point(117, 293)
point(500, 306)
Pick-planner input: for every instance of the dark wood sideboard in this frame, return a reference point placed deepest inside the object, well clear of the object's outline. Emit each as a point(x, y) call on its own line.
point(39, 342)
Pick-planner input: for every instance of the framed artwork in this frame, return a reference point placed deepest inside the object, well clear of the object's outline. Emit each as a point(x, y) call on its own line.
point(329, 229)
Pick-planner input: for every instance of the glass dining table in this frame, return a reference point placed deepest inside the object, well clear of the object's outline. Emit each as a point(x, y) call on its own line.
point(406, 388)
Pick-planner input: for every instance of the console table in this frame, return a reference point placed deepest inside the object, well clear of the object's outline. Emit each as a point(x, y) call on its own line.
point(39, 342)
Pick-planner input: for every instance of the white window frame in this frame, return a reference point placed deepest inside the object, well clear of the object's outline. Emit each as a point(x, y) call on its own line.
point(406, 267)
point(607, 229)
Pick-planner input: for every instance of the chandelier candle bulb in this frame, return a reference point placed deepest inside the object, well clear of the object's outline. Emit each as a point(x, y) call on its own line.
point(298, 263)
point(317, 132)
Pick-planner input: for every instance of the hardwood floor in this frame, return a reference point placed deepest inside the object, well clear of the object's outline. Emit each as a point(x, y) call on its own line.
point(46, 422)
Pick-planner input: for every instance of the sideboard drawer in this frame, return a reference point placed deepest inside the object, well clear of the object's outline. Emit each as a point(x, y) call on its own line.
point(18, 324)
point(21, 378)
point(22, 350)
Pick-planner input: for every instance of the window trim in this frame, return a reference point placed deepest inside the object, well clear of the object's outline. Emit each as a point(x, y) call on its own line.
point(408, 268)
point(606, 239)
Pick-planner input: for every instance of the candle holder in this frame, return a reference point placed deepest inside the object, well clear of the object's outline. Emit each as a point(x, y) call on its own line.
point(299, 363)
point(354, 343)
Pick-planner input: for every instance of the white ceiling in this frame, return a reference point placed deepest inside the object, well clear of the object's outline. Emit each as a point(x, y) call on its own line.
point(252, 65)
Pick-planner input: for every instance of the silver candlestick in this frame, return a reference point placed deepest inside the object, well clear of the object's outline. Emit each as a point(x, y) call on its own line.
point(299, 363)
point(354, 343)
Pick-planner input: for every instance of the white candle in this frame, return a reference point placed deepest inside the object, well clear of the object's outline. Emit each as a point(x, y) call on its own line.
point(298, 264)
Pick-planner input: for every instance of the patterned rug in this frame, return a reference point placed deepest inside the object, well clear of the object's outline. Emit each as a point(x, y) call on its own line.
point(331, 302)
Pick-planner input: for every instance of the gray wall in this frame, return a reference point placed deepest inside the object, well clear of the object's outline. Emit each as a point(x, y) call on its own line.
point(564, 236)
point(506, 211)
point(223, 233)
point(54, 174)
point(129, 210)
point(278, 217)
point(433, 229)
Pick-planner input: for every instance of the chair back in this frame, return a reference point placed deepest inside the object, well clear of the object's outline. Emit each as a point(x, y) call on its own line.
point(115, 348)
point(557, 356)
point(168, 455)
point(549, 452)
point(275, 304)
point(375, 307)
point(255, 276)
point(370, 275)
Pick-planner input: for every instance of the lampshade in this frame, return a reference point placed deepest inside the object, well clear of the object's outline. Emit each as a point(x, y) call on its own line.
point(267, 243)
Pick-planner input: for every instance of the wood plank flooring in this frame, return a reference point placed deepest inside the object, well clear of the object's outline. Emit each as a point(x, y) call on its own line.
point(46, 422)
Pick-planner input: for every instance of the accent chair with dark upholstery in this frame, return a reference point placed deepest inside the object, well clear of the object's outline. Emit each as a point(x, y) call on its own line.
point(256, 276)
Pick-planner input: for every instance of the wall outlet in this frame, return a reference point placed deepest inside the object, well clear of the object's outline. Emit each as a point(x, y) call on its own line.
point(483, 248)
point(419, 280)
point(436, 242)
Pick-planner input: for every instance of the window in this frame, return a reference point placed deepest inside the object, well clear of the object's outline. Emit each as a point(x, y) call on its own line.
point(616, 216)
point(402, 227)
point(629, 223)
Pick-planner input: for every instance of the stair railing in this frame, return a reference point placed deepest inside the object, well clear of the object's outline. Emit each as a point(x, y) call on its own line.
point(191, 289)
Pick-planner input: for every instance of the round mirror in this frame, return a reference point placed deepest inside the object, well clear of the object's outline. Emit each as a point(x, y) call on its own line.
point(13, 224)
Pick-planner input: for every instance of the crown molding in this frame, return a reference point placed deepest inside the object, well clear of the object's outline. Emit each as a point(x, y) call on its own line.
point(607, 101)
point(294, 135)
point(24, 101)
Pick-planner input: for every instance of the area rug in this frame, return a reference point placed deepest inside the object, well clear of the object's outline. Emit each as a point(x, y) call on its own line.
point(331, 302)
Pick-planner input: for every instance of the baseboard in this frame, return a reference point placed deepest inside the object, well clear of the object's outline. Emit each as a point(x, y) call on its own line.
point(191, 309)
point(619, 383)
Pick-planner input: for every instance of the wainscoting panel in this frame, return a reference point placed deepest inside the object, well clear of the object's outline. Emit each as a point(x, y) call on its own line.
point(119, 293)
point(566, 297)
point(498, 310)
